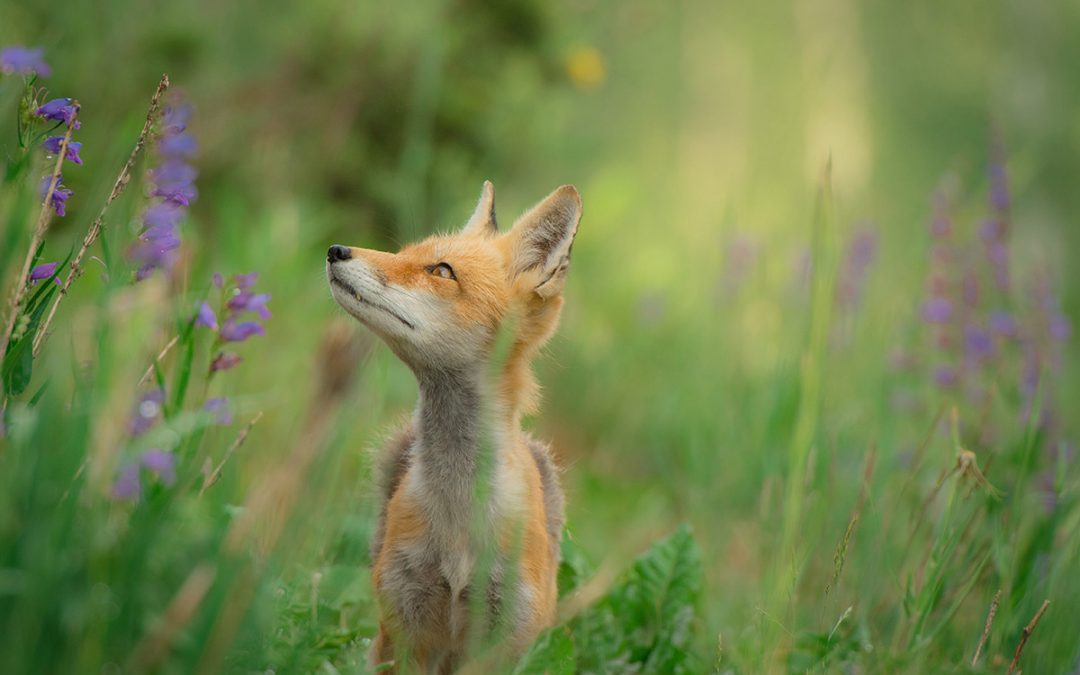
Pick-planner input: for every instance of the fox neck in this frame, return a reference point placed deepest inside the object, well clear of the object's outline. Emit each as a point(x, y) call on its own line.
point(455, 429)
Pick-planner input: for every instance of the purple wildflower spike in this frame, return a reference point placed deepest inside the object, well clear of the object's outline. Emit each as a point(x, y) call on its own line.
point(175, 119)
point(182, 194)
point(1003, 324)
point(206, 317)
point(1060, 329)
point(60, 110)
point(219, 407)
point(178, 146)
point(860, 257)
point(233, 331)
point(173, 171)
point(165, 214)
point(160, 463)
point(52, 146)
point(43, 271)
point(173, 183)
point(999, 184)
point(945, 376)
point(246, 281)
point(127, 486)
point(937, 310)
point(60, 194)
point(19, 60)
point(978, 343)
point(245, 301)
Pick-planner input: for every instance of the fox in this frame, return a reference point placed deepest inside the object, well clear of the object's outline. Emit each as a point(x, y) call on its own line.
point(466, 312)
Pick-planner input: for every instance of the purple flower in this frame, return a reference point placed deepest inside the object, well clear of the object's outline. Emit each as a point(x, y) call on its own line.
point(43, 271)
point(60, 194)
point(224, 361)
point(860, 257)
point(945, 376)
point(978, 343)
point(245, 301)
point(233, 331)
point(219, 407)
point(205, 317)
point(61, 110)
point(999, 185)
point(241, 300)
point(246, 281)
point(182, 194)
point(937, 310)
point(127, 486)
point(52, 146)
point(160, 463)
point(24, 61)
point(1002, 323)
point(173, 172)
point(174, 182)
point(178, 146)
point(161, 236)
point(1060, 328)
point(155, 248)
point(128, 483)
point(165, 214)
point(992, 230)
point(147, 411)
point(175, 119)
point(151, 256)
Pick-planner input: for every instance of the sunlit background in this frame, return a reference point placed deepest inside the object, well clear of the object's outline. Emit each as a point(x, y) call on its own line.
point(777, 197)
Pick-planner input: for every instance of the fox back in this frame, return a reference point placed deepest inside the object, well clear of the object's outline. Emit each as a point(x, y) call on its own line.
point(466, 313)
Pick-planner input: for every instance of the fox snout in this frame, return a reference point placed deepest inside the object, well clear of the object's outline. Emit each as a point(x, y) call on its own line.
point(338, 253)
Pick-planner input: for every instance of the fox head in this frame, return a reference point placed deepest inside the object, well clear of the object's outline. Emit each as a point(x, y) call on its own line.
point(439, 303)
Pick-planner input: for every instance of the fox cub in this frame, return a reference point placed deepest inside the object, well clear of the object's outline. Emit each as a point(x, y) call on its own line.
point(445, 306)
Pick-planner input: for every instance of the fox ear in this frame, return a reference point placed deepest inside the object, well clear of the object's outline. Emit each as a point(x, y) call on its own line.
point(482, 220)
point(540, 242)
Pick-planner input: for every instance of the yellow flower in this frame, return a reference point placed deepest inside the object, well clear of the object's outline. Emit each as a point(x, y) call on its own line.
point(586, 68)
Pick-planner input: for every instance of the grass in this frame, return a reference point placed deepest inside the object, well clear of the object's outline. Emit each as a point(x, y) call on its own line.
point(762, 474)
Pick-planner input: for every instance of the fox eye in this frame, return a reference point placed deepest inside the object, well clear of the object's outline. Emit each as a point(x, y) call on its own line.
point(442, 270)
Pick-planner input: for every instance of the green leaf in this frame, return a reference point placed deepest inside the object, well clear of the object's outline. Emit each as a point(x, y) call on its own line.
point(551, 654)
point(647, 621)
point(573, 567)
point(187, 342)
point(19, 365)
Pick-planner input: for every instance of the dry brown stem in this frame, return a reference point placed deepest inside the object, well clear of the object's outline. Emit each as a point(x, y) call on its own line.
point(1025, 635)
point(986, 628)
point(92, 234)
point(44, 218)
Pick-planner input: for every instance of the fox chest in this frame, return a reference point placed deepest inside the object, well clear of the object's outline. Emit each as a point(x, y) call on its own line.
point(430, 590)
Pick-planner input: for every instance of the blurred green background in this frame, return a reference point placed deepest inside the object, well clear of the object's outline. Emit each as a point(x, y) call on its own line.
point(701, 374)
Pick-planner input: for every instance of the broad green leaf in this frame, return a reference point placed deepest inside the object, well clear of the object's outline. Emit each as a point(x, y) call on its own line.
point(646, 622)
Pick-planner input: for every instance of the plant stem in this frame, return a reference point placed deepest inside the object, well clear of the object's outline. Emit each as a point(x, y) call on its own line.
point(1028, 629)
point(44, 218)
point(95, 228)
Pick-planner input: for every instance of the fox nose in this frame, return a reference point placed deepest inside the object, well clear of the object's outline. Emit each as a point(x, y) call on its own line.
point(338, 253)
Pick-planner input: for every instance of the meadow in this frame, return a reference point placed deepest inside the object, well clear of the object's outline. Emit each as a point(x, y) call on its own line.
point(812, 392)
